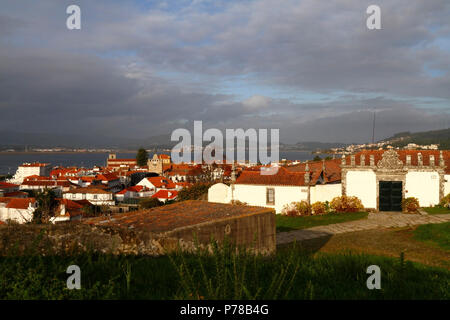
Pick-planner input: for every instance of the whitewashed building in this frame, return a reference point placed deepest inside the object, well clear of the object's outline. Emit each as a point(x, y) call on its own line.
point(95, 195)
point(380, 179)
point(30, 169)
point(19, 210)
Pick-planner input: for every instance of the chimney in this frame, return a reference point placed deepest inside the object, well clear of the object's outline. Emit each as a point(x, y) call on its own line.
point(441, 159)
point(372, 160)
point(343, 160)
point(352, 160)
point(408, 160)
point(432, 160)
point(363, 160)
point(307, 174)
point(419, 159)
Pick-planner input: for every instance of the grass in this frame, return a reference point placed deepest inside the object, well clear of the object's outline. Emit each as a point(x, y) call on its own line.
point(437, 210)
point(292, 273)
point(285, 223)
point(434, 234)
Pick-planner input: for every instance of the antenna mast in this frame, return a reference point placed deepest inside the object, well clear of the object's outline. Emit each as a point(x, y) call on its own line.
point(373, 129)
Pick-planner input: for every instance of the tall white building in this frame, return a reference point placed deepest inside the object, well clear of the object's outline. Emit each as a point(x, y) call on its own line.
point(30, 169)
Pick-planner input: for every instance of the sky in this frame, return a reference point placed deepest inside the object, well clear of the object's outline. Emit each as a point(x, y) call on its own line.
point(310, 68)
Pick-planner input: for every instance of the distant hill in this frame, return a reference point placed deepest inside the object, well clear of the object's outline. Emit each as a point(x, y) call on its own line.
point(312, 146)
point(11, 139)
point(441, 137)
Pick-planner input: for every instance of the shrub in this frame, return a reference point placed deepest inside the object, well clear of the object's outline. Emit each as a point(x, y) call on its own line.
point(410, 205)
point(197, 191)
point(346, 204)
point(238, 203)
point(147, 203)
point(445, 202)
point(301, 208)
point(318, 208)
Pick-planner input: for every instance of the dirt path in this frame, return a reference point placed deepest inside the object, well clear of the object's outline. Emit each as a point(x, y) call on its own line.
point(386, 234)
point(373, 221)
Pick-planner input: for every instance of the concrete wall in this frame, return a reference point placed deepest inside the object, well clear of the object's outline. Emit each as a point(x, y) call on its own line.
point(423, 186)
point(254, 231)
point(363, 184)
point(255, 195)
point(325, 192)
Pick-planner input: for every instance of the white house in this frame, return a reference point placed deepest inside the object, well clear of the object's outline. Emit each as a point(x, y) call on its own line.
point(17, 209)
point(253, 188)
point(30, 169)
point(165, 195)
point(134, 192)
point(157, 183)
point(95, 195)
point(381, 179)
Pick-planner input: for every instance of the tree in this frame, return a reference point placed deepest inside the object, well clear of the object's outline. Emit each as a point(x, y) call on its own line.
point(197, 191)
point(47, 206)
point(142, 157)
point(317, 158)
point(147, 203)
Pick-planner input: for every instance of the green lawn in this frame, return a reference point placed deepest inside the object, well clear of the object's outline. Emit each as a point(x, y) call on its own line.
point(289, 274)
point(285, 223)
point(437, 210)
point(434, 234)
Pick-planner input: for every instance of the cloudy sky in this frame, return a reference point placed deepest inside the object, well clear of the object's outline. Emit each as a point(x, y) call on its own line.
point(145, 67)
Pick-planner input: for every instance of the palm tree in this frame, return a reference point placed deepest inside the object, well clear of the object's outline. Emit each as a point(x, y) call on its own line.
point(47, 206)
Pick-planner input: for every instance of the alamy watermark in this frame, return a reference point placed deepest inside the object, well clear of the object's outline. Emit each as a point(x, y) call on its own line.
point(74, 280)
point(374, 281)
point(215, 152)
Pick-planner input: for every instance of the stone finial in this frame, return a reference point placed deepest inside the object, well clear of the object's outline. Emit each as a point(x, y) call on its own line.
point(419, 159)
point(307, 177)
point(233, 173)
point(372, 160)
point(352, 160)
point(408, 160)
point(307, 167)
point(432, 161)
point(441, 159)
point(363, 160)
point(343, 162)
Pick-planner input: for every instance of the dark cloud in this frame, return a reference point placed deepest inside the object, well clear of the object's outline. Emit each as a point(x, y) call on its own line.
point(137, 72)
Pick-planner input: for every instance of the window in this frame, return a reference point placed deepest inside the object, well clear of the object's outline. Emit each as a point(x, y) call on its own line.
point(270, 196)
point(95, 196)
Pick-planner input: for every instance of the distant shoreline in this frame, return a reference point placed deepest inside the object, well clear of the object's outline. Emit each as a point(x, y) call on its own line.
point(63, 152)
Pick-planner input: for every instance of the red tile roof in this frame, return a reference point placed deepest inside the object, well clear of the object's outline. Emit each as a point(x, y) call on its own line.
point(20, 203)
point(90, 190)
point(282, 177)
point(332, 170)
point(161, 182)
point(166, 194)
point(6, 185)
point(107, 177)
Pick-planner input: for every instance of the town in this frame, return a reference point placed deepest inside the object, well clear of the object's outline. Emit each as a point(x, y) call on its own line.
point(124, 186)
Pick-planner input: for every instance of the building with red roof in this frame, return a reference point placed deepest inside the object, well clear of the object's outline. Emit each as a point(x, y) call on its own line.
point(17, 209)
point(380, 179)
point(165, 195)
